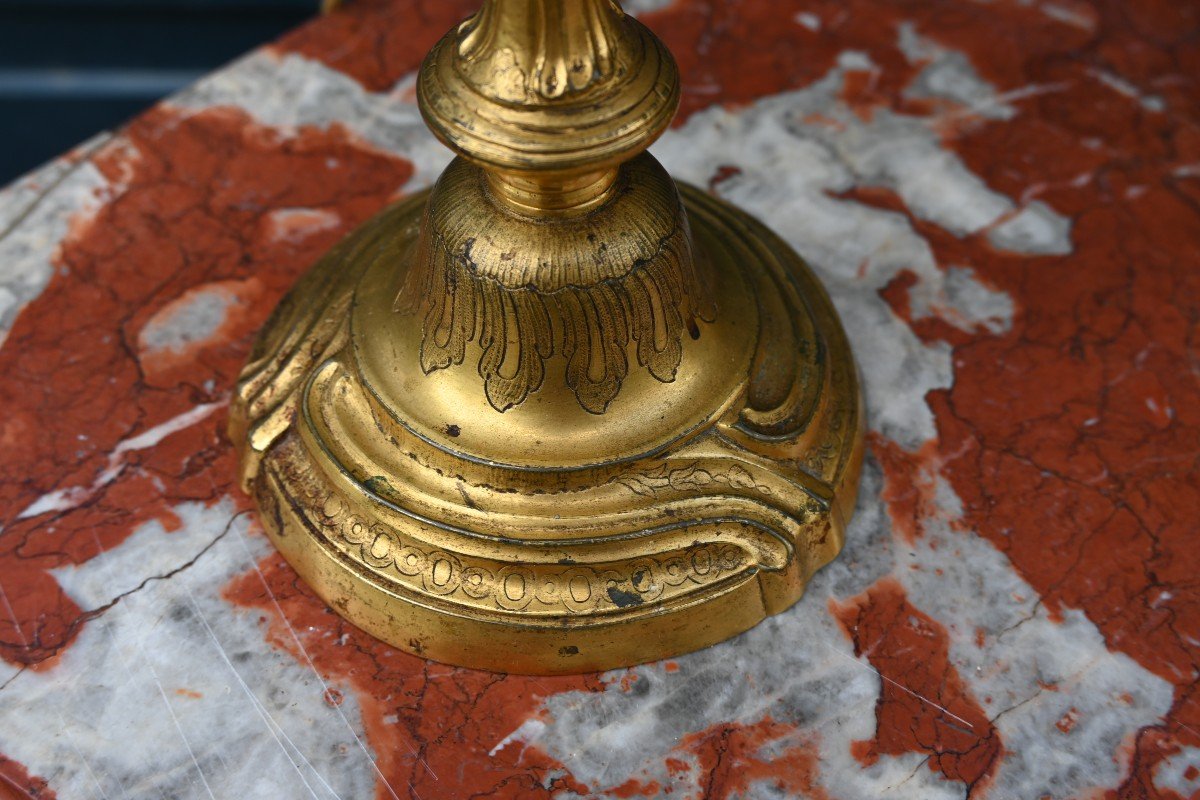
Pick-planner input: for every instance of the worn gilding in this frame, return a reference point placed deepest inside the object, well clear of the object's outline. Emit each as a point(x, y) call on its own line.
point(557, 414)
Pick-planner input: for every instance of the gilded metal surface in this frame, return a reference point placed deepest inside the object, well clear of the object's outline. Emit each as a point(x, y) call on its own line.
point(556, 414)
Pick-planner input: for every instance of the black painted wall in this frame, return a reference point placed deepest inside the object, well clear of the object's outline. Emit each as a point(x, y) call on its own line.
point(71, 68)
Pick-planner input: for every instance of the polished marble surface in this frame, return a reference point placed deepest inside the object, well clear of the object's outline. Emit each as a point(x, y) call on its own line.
point(1004, 201)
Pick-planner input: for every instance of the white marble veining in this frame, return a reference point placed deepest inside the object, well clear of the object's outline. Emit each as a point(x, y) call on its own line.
point(1180, 772)
point(35, 215)
point(287, 91)
point(173, 693)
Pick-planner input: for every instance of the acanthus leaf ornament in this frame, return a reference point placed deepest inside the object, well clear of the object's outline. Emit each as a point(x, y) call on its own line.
point(592, 299)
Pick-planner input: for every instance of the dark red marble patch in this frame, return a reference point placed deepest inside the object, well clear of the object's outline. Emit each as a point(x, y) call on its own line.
point(909, 488)
point(17, 784)
point(377, 42)
point(196, 191)
point(924, 705)
point(731, 757)
point(735, 53)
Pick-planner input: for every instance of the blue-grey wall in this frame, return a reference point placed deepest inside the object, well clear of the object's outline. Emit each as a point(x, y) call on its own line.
point(70, 68)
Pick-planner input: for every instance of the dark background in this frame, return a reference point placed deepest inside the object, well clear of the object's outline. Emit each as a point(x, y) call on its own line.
point(71, 68)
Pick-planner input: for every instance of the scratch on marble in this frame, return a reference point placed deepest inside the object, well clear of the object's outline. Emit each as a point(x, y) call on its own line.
point(901, 687)
point(83, 759)
point(272, 726)
point(162, 693)
point(325, 686)
point(141, 651)
point(12, 615)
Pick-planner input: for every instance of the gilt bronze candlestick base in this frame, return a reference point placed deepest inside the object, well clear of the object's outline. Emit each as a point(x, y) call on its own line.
point(557, 414)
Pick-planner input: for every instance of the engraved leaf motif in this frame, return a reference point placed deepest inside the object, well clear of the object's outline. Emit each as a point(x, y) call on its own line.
point(692, 476)
point(519, 328)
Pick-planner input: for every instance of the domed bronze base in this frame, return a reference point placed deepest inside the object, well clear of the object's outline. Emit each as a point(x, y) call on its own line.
point(566, 531)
